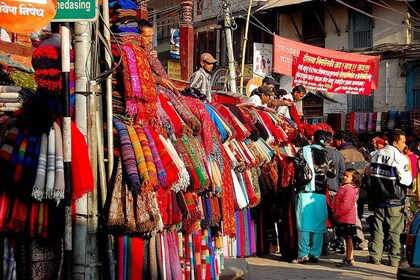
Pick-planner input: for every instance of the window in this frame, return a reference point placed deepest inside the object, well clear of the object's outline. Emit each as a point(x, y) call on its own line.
point(313, 27)
point(359, 103)
point(360, 31)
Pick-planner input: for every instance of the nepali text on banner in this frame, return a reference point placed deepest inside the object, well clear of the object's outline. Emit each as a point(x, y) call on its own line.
point(285, 49)
point(321, 73)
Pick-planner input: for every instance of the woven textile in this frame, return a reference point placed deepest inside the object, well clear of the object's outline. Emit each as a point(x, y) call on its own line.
point(128, 156)
point(150, 165)
point(161, 173)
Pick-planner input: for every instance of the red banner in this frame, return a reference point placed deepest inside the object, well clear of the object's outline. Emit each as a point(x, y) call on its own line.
point(284, 50)
point(332, 75)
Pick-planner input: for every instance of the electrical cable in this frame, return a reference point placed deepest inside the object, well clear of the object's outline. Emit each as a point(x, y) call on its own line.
point(372, 16)
point(387, 6)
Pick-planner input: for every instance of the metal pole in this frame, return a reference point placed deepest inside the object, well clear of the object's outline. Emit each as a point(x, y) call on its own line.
point(81, 68)
point(229, 47)
point(65, 66)
point(244, 47)
point(109, 136)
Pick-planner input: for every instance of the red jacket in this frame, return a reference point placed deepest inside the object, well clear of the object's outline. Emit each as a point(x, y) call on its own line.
point(344, 206)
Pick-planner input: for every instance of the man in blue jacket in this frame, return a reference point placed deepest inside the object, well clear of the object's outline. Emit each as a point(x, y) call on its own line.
point(390, 178)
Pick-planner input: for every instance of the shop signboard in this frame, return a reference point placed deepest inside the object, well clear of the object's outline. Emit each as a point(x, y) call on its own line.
point(76, 10)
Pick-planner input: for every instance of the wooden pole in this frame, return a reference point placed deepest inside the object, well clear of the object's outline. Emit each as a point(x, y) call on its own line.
point(244, 46)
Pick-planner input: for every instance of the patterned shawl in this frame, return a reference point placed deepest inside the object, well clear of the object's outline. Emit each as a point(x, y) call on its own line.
point(128, 156)
point(138, 153)
point(161, 173)
point(150, 165)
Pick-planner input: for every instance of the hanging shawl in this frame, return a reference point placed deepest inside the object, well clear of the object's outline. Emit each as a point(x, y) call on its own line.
point(168, 164)
point(161, 173)
point(173, 116)
point(208, 128)
point(128, 156)
point(81, 170)
point(183, 177)
point(138, 153)
point(189, 118)
point(39, 185)
point(139, 103)
point(59, 184)
point(150, 165)
point(49, 184)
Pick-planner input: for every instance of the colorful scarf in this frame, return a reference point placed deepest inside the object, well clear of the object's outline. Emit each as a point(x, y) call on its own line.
point(161, 173)
point(150, 165)
point(138, 153)
point(128, 156)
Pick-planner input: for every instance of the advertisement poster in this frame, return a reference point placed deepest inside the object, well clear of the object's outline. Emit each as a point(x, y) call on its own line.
point(322, 73)
point(263, 59)
point(174, 70)
point(174, 44)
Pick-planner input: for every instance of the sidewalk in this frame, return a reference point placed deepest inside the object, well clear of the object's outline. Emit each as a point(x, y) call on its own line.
point(272, 267)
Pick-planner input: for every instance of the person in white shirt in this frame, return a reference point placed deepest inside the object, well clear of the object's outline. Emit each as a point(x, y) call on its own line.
point(260, 96)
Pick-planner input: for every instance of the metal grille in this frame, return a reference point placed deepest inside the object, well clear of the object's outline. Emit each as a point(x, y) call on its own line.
point(359, 103)
point(361, 39)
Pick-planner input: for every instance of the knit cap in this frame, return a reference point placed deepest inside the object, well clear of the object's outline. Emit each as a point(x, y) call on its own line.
point(46, 61)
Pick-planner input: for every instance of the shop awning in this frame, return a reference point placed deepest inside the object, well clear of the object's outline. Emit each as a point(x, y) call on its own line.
point(280, 3)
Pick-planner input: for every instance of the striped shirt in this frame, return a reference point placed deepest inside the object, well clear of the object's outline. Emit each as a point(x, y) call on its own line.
point(201, 80)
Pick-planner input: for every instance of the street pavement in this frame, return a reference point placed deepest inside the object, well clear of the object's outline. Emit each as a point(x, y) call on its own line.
point(271, 267)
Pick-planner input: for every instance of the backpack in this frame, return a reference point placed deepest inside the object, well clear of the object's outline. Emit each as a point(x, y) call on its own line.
point(303, 173)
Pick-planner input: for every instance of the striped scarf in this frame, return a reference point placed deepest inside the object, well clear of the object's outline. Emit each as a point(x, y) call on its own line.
point(39, 185)
point(49, 183)
point(138, 153)
point(161, 173)
point(59, 165)
point(127, 153)
point(150, 165)
point(169, 165)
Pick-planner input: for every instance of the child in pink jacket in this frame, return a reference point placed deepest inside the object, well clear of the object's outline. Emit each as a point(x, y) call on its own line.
point(344, 208)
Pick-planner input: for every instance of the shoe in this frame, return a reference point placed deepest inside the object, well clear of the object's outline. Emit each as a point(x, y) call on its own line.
point(373, 261)
point(345, 263)
point(362, 246)
point(393, 263)
point(312, 259)
point(302, 260)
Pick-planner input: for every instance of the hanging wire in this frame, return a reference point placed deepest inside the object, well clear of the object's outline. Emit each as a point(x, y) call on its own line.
point(375, 17)
point(261, 25)
point(414, 10)
point(389, 7)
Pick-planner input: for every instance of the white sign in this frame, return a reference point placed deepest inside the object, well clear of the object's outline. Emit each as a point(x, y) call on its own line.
point(263, 59)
